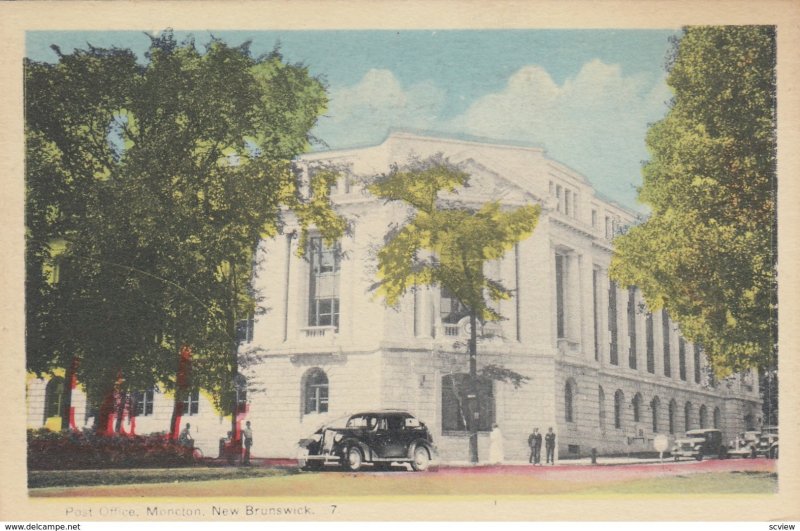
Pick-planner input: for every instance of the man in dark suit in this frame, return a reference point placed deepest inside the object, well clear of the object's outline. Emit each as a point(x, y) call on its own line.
point(535, 444)
point(550, 445)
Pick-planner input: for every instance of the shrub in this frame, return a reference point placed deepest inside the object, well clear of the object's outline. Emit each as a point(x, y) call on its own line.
point(73, 450)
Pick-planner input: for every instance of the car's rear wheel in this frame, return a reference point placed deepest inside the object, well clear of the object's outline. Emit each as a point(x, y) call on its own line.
point(699, 456)
point(422, 459)
point(353, 459)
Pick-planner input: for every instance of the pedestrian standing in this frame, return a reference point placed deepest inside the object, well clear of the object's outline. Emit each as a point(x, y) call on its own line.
point(550, 445)
point(535, 444)
point(247, 434)
point(496, 445)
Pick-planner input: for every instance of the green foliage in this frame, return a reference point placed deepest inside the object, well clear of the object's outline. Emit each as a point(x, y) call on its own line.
point(708, 251)
point(445, 242)
point(158, 181)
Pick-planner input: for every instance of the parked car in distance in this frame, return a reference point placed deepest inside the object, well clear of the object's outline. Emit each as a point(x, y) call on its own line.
point(377, 437)
point(745, 444)
point(768, 442)
point(700, 443)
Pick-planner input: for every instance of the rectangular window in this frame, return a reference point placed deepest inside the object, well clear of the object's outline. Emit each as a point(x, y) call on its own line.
point(143, 402)
point(651, 355)
point(323, 292)
point(244, 330)
point(558, 197)
point(561, 296)
point(608, 228)
point(596, 312)
point(594, 219)
point(191, 405)
point(665, 330)
point(567, 202)
point(682, 358)
point(612, 321)
point(632, 327)
point(697, 364)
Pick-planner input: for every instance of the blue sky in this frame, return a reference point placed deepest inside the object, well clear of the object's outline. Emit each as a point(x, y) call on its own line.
point(586, 96)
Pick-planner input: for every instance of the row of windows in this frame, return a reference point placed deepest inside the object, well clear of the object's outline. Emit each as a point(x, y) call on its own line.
point(566, 199)
point(632, 308)
point(570, 391)
point(141, 401)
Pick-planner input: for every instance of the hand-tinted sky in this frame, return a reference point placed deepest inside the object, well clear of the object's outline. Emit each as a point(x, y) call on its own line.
point(586, 96)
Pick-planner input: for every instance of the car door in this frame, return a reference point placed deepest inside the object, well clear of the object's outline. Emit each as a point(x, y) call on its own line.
point(399, 436)
point(377, 435)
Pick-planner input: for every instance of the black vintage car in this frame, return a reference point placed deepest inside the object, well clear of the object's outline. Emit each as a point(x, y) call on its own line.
point(377, 437)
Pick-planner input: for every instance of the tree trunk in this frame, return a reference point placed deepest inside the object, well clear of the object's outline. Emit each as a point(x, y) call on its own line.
point(181, 387)
point(123, 402)
point(474, 399)
point(67, 417)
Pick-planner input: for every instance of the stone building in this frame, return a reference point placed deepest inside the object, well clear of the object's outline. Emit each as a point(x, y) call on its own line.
point(603, 371)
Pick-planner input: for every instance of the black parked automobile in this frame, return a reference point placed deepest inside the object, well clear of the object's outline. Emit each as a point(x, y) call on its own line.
point(377, 437)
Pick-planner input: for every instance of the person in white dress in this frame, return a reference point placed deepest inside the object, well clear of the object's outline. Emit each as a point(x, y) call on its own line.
point(496, 445)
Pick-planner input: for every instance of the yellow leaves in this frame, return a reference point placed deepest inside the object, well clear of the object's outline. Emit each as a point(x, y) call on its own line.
point(445, 242)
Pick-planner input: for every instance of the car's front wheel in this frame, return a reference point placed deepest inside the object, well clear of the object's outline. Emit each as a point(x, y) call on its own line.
point(353, 459)
point(422, 459)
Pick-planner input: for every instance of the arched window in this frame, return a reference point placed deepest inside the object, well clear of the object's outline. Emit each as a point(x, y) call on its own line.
point(601, 402)
point(717, 418)
point(569, 396)
point(637, 407)
point(619, 400)
point(52, 397)
point(458, 404)
point(654, 406)
point(703, 416)
point(315, 391)
point(673, 410)
point(687, 416)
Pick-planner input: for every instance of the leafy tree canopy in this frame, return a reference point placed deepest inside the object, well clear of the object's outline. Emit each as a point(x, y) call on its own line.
point(148, 189)
point(446, 242)
point(708, 251)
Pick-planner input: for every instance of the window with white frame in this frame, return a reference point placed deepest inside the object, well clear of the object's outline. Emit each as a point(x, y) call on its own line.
point(323, 291)
point(191, 404)
point(143, 402)
point(562, 301)
point(612, 323)
point(632, 327)
point(315, 391)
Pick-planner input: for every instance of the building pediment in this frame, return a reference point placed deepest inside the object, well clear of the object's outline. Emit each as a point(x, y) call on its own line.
point(486, 184)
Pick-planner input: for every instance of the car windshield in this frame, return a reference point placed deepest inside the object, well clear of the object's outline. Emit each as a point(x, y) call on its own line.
point(357, 422)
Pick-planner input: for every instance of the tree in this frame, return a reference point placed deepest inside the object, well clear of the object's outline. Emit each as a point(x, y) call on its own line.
point(708, 251)
point(446, 243)
point(168, 175)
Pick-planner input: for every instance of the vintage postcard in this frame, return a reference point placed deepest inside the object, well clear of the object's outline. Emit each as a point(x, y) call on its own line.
point(305, 261)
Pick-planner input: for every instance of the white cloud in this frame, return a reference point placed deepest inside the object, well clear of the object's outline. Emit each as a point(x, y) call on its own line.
point(364, 112)
point(594, 122)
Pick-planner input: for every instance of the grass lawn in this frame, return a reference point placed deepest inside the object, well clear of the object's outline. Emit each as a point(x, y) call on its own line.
point(74, 478)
